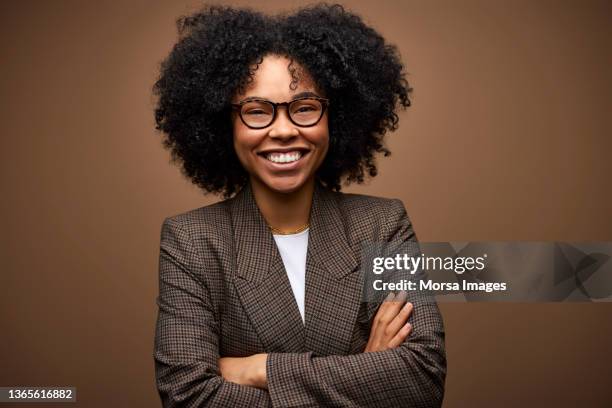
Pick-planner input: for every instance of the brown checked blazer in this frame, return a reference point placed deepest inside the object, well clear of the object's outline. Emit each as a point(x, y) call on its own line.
point(223, 291)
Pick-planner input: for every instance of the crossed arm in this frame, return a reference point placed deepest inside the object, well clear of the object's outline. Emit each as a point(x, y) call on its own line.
point(394, 370)
point(389, 330)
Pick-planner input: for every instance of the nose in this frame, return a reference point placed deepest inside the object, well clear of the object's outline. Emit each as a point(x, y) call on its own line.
point(282, 127)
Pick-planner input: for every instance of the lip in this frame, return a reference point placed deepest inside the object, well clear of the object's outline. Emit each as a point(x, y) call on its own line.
point(302, 149)
point(283, 166)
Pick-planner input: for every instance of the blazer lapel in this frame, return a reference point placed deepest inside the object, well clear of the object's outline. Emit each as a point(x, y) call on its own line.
point(261, 281)
point(333, 289)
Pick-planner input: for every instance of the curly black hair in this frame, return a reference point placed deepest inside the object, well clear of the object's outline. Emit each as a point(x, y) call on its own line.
point(218, 50)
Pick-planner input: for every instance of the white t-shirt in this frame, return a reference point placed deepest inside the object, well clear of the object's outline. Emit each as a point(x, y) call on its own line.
point(293, 249)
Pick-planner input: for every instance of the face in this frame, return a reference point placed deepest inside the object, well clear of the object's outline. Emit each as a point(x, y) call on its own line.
point(283, 156)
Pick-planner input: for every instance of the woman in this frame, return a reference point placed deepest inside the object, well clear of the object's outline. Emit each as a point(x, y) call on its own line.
point(260, 294)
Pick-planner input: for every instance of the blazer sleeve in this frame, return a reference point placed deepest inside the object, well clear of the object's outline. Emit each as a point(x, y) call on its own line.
point(186, 348)
point(411, 375)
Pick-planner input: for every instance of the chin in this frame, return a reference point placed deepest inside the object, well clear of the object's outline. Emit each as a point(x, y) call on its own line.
point(284, 186)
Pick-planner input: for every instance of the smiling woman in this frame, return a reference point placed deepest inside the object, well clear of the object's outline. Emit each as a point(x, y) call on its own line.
point(281, 149)
point(260, 296)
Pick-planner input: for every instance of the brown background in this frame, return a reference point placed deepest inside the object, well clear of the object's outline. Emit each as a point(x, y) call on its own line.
point(508, 139)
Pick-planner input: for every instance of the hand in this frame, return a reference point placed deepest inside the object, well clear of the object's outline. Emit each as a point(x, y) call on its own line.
point(390, 327)
point(249, 371)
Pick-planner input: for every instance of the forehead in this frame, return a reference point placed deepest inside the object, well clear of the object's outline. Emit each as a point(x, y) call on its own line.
point(273, 80)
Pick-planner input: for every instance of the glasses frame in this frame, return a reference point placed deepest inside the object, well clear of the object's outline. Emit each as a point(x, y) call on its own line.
point(238, 107)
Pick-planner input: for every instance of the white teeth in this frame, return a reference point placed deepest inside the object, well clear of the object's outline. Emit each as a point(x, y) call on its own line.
point(284, 157)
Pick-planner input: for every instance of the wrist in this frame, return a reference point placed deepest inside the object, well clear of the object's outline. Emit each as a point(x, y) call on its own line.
point(258, 372)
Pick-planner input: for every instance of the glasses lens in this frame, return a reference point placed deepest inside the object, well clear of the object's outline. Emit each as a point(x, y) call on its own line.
point(257, 113)
point(305, 112)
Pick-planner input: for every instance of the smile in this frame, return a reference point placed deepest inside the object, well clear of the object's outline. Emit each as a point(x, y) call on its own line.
point(285, 157)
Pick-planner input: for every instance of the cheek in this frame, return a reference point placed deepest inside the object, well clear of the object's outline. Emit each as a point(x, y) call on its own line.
point(240, 137)
point(324, 143)
point(321, 140)
point(241, 147)
point(324, 134)
point(245, 142)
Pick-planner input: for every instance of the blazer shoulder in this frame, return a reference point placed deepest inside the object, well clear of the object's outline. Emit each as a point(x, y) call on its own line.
point(206, 222)
point(370, 207)
point(373, 216)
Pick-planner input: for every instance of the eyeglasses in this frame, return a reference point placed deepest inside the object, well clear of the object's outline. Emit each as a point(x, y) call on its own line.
point(260, 113)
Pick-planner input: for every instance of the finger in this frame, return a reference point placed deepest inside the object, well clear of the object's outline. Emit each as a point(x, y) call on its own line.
point(402, 295)
point(383, 330)
point(400, 319)
point(389, 296)
point(387, 301)
point(394, 307)
point(383, 306)
point(401, 336)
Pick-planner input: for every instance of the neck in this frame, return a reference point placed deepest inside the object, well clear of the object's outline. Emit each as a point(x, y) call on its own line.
point(284, 211)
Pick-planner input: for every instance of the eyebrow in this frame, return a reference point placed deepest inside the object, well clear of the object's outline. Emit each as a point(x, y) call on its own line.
point(296, 96)
point(305, 94)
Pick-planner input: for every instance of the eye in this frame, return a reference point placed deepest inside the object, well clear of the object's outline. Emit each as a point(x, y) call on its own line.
point(257, 109)
point(256, 112)
point(305, 108)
